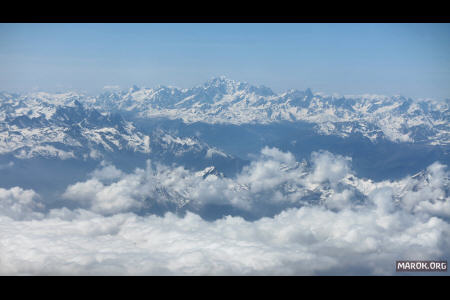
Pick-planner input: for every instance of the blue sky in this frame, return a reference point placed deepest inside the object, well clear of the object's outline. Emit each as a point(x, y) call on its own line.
point(408, 59)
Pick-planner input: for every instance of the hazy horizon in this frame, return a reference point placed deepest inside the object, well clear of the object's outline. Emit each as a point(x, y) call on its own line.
point(412, 60)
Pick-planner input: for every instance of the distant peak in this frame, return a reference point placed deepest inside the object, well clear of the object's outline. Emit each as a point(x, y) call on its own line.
point(230, 85)
point(76, 103)
point(134, 88)
point(221, 80)
point(308, 92)
point(221, 77)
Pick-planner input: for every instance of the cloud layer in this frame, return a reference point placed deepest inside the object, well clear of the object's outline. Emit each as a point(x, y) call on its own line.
point(273, 179)
point(331, 222)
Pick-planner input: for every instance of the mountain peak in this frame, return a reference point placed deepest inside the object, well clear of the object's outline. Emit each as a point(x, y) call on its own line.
point(134, 88)
point(230, 86)
point(220, 81)
point(308, 92)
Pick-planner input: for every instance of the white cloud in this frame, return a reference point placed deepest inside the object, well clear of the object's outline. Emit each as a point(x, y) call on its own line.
point(328, 167)
point(274, 178)
point(18, 203)
point(113, 198)
point(107, 172)
point(309, 240)
point(342, 234)
point(340, 200)
point(429, 195)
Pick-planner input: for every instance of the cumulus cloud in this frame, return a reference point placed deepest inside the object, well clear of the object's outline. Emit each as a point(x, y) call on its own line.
point(340, 200)
point(19, 204)
point(107, 172)
point(328, 167)
point(431, 194)
point(113, 198)
point(274, 178)
point(356, 227)
point(264, 181)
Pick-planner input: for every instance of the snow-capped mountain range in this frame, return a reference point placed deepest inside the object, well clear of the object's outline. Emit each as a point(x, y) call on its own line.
point(222, 100)
point(73, 125)
point(60, 126)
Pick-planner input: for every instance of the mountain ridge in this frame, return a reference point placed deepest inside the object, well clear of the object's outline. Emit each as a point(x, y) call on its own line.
point(224, 101)
point(109, 120)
